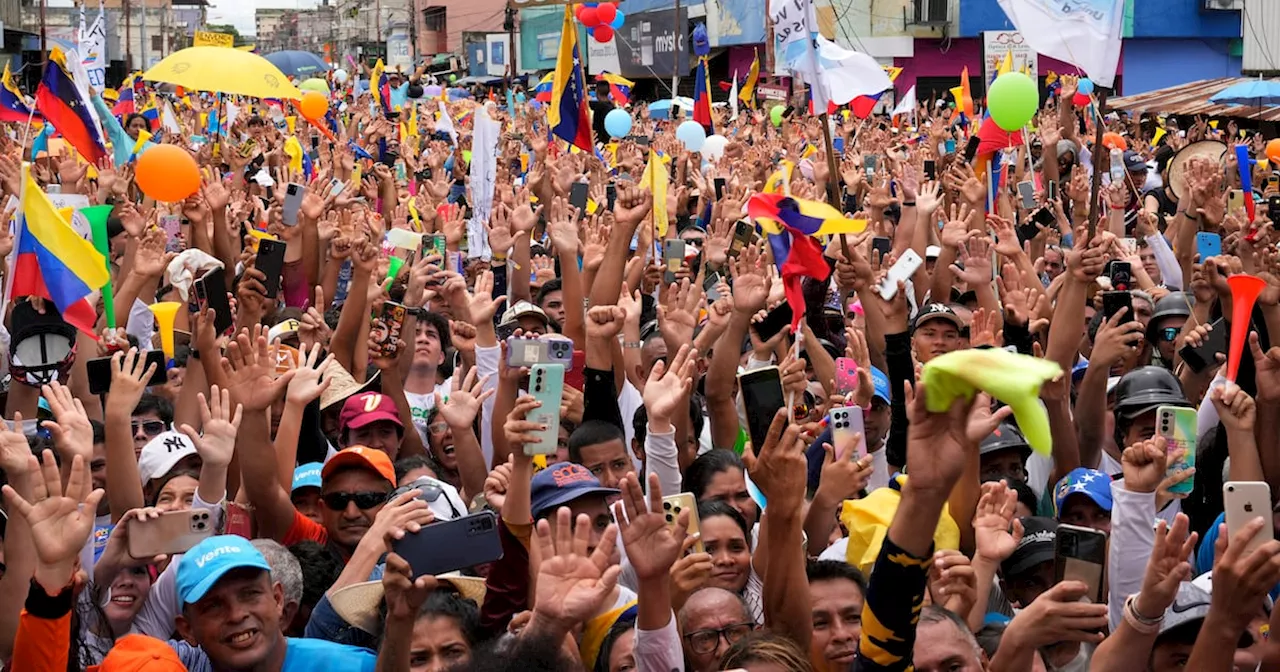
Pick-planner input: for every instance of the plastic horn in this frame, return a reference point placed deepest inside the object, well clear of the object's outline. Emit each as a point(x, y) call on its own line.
point(165, 312)
point(1244, 291)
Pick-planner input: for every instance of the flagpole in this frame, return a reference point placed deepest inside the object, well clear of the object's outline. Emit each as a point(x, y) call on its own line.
point(44, 48)
point(1097, 164)
point(675, 69)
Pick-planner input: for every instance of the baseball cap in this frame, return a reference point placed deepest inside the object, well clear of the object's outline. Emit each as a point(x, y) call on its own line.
point(208, 561)
point(880, 385)
point(521, 309)
point(284, 329)
point(162, 453)
point(307, 476)
point(936, 311)
point(560, 484)
point(366, 408)
point(1081, 481)
point(1134, 163)
point(140, 653)
point(1190, 605)
point(361, 457)
point(1035, 547)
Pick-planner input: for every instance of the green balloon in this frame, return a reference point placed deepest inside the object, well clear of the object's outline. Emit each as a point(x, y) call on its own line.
point(775, 115)
point(453, 78)
point(1013, 99)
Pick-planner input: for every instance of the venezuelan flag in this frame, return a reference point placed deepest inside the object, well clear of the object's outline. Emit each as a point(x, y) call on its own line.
point(13, 106)
point(619, 87)
point(381, 88)
point(63, 106)
point(53, 261)
point(567, 114)
point(747, 94)
point(702, 97)
point(125, 104)
point(542, 93)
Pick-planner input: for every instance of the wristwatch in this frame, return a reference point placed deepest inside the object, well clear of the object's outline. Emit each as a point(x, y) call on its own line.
point(416, 313)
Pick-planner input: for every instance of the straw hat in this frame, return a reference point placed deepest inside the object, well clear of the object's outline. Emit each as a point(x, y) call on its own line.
point(360, 604)
point(343, 385)
point(1210, 149)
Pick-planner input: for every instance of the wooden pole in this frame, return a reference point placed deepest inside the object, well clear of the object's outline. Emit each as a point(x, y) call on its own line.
point(1097, 163)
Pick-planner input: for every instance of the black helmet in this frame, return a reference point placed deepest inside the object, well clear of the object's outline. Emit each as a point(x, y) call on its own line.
point(1005, 436)
point(1145, 388)
point(1174, 304)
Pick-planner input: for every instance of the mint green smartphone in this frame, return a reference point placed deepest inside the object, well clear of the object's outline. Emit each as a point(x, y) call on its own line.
point(1178, 427)
point(546, 384)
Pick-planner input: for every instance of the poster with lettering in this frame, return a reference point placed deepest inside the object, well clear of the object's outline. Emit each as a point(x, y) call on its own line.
point(484, 177)
point(650, 46)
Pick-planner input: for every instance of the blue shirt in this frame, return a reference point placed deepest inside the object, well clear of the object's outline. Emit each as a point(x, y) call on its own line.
point(304, 655)
point(399, 95)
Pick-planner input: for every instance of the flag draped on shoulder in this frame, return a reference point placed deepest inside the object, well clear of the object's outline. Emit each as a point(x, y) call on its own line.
point(13, 105)
point(567, 113)
point(68, 109)
point(1087, 37)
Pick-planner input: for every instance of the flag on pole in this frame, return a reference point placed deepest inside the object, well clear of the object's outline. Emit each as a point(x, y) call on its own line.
point(655, 178)
point(963, 96)
point(92, 48)
point(907, 106)
point(702, 97)
point(1086, 35)
point(67, 108)
point(567, 113)
point(619, 87)
point(445, 123)
point(733, 97)
point(380, 86)
point(13, 105)
point(748, 92)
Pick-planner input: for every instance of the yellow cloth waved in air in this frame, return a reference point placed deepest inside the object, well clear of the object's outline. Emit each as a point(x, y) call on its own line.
point(1011, 378)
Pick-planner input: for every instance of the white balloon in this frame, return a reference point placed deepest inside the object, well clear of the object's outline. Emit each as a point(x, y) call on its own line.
point(713, 147)
point(340, 76)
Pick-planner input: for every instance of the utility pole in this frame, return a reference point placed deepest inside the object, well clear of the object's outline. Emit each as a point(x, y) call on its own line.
point(146, 48)
point(510, 21)
point(44, 48)
point(675, 68)
point(128, 43)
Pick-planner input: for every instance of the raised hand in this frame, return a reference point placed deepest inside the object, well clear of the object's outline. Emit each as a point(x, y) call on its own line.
point(218, 443)
point(778, 468)
point(249, 371)
point(404, 594)
point(464, 401)
point(652, 546)
point(129, 375)
point(669, 387)
point(14, 448)
point(483, 303)
point(573, 582)
point(308, 379)
point(1167, 566)
point(996, 530)
point(71, 431)
point(1144, 465)
point(605, 321)
point(60, 523)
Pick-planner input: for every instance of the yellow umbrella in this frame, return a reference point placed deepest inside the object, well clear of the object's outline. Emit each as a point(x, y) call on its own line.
point(221, 70)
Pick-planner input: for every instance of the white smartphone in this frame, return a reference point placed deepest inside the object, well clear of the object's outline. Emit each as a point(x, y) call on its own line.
point(404, 239)
point(1242, 502)
point(902, 270)
point(845, 422)
point(293, 194)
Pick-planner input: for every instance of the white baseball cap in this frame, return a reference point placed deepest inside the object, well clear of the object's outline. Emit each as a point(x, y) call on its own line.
point(162, 454)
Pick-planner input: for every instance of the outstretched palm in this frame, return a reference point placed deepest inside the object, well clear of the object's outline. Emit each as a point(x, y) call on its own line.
point(652, 546)
point(572, 584)
point(59, 523)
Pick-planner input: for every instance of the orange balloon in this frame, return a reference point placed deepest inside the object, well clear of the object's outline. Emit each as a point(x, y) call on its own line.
point(1273, 151)
point(167, 173)
point(1114, 141)
point(313, 105)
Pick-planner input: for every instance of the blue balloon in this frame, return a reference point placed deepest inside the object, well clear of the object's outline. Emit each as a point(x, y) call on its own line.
point(1085, 86)
point(691, 134)
point(591, 32)
point(617, 123)
point(617, 21)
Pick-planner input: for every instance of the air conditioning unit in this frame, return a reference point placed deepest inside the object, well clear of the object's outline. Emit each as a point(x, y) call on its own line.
point(934, 12)
point(1223, 5)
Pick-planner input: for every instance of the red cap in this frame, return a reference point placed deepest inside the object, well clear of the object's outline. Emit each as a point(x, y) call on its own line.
point(363, 457)
point(139, 653)
point(367, 407)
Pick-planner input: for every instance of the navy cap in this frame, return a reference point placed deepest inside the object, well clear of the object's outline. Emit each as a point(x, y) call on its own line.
point(560, 484)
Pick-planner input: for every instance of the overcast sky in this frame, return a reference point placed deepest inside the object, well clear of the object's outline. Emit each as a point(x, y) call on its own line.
point(240, 12)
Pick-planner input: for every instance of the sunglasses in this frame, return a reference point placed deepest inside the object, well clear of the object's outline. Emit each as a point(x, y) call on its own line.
point(1169, 333)
point(338, 501)
point(149, 427)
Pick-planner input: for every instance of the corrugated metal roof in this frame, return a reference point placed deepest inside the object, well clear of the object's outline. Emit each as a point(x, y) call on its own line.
point(1193, 98)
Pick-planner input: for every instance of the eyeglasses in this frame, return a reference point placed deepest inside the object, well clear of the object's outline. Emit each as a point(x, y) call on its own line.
point(1169, 333)
point(438, 428)
point(705, 641)
point(149, 427)
point(338, 501)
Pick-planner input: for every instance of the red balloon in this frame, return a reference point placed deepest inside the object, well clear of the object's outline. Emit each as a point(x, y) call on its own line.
point(603, 33)
point(1080, 99)
point(606, 12)
point(589, 16)
point(577, 12)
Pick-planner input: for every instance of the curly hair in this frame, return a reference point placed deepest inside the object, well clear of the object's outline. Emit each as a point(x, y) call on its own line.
point(766, 647)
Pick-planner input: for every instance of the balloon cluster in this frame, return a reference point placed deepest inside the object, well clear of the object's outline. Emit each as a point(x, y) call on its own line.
point(600, 18)
point(1083, 88)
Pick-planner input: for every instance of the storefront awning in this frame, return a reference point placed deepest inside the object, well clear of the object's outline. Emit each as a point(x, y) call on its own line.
point(1192, 99)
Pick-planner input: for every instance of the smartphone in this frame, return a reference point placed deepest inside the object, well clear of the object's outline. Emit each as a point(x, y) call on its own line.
point(386, 328)
point(1045, 217)
point(1028, 230)
point(1208, 245)
point(761, 397)
point(850, 203)
point(1080, 554)
point(902, 270)
point(845, 422)
point(674, 505)
point(883, 245)
point(950, 145)
point(1242, 502)
point(559, 351)
point(271, 262)
point(719, 182)
point(1051, 190)
point(450, 545)
point(546, 384)
point(578, 197)
point(1235, 200)
point(1273, 205)
point(709, 284)
point(611, 195)
point(930, 169)
point(774, 321)
point(293, 193)
point(742, 234)
point(336, 186)
point(672, 257)
point(1129, 245)
point(98, 371)
point(1121, 275)
point(211, 294)
point(1178, 427)
point(846, 376)
point(1206, 355)
point(575, 376)
point(173, 532)
point(524, 352)
point(869, 165)
point(404, 239)
point(505, 331)
point(1112, 302)
point(1027, 192)
point(172, 226)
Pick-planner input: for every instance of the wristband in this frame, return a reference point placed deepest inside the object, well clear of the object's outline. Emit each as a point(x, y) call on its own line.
point(634, 345)
point(911, 204)
point(1142, 624)
point(1118, 207)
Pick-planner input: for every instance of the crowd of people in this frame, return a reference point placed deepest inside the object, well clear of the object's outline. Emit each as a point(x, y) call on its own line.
point(535, 453)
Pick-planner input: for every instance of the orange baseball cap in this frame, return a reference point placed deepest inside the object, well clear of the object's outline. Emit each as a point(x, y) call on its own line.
point(140, 653)
point(363, 457)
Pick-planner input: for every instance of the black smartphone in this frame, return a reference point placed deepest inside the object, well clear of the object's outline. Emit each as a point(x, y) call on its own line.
point(1045, 216)
point(762, 396)
point(850, 204)
point(1273, 207)
point(930, 169)
point(611, 194)
point(1121, 275)
point(1205, 356)
point(1112, 302)
point(742, 233)
point(211, 293)
point(451, 545)
point(578, 197)
point(882, 245)
point(1051, 190)
point(1080, 554)
point(775, 321)
point(1028, 230)
point(271, 262)
point(719, 182)
point(99, 372)
point(506, 331)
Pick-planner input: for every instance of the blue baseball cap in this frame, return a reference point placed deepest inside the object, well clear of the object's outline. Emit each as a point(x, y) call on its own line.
point(880, 386)
point(1081, 481)
point(560, 484)
point(208, 561)
point(307, 476)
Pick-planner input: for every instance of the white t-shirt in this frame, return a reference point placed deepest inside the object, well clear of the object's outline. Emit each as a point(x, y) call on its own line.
point(421, 405)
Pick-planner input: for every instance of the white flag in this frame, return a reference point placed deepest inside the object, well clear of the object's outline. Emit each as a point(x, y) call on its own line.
point(169, 120)
point(233, 112)
point(485, 135)
point(733, 96)
point(445, 123)
point(1084, 33)
point(907, 105)
point(847, 74)
point(93, 52)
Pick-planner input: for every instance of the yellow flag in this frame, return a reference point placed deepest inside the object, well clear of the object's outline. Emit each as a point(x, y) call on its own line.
point(1006, 65)
point(413, 121)
point(1213, 124)
point(655, 178)
point(292, 122)
point(293, 149)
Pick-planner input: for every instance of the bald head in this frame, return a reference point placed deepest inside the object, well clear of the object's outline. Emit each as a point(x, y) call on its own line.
point(707, 611)
point(713, 601)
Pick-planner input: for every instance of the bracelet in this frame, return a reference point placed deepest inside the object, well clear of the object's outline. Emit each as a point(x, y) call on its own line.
point(635, 345)
point(1118, 207)
point(1142, 624)
point(1188, 215)
point(911, 204)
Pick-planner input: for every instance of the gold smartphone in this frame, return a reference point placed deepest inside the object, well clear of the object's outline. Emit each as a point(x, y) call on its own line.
point(173, 532)
point(673, 505)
